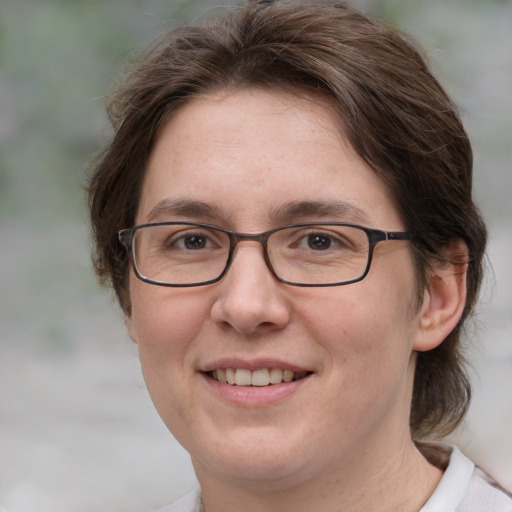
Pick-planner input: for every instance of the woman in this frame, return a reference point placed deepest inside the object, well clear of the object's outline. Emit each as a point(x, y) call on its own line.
point(285, 214)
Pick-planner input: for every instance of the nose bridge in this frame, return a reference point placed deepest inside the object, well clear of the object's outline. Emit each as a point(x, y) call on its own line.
point(254, 244)
point(250, 298)
point(258, 239)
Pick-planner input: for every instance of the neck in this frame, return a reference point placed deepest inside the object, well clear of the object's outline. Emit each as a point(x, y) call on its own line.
point(361, 484)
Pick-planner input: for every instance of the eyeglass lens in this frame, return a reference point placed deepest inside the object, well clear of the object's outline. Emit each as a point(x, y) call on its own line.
point(181, 254)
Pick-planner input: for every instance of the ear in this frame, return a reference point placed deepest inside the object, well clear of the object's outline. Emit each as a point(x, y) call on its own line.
point(444, 297)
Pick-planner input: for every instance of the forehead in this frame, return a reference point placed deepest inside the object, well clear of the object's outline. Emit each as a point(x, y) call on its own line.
point(251, 153)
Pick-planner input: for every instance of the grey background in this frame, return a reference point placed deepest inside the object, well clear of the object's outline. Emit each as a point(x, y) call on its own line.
point(77, 429)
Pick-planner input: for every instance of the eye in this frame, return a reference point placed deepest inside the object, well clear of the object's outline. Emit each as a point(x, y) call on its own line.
point(319, 242)
point(194, 242)
point(191, 241)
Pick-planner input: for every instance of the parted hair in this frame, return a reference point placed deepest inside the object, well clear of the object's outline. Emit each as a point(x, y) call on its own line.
point(394, 112)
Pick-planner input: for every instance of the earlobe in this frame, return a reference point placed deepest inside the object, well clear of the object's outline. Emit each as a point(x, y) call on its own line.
point(444, 298)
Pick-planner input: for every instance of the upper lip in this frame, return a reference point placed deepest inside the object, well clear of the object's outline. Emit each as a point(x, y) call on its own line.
point(252, 364)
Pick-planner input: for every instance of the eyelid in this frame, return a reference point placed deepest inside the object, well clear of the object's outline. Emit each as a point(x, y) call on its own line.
point(211, 235)
point(298, 236)
point(337, 238)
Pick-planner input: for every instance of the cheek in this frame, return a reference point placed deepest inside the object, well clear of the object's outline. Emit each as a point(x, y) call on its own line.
point(164, 323)
point(365, 328)
point(356, 320)
point(367, 344)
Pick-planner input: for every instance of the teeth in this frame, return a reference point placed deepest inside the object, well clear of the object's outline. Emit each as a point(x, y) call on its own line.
point(287, 376)
point(220, 375)
point(262, 377)
point(276, 376)
point(230, 376)
point(243, 377)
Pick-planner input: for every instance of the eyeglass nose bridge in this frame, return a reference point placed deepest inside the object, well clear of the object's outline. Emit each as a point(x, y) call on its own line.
point(261, 238)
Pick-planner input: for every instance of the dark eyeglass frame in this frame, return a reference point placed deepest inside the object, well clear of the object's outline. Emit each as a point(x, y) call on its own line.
point(125, 236)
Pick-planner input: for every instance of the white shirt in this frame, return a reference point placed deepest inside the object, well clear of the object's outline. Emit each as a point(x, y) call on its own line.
point(466, 488)
point(463, 488)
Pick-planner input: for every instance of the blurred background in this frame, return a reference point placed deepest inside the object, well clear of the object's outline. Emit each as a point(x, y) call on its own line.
point(77, 429)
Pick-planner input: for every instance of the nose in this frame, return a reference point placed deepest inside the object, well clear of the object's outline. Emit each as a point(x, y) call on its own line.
point(250, 298)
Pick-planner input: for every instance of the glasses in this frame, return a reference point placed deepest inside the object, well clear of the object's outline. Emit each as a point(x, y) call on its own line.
point(193, 254)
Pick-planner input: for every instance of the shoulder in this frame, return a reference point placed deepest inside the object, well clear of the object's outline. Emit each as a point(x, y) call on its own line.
point(484, 493)
point(466, 488)
point(191, 502)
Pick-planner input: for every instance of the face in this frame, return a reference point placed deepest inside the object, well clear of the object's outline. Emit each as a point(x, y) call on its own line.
point(244, 161)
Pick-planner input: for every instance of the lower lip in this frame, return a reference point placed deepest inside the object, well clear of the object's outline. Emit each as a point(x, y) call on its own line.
point(252, 396)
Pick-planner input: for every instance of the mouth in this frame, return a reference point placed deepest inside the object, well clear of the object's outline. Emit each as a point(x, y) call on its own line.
point(260, 378)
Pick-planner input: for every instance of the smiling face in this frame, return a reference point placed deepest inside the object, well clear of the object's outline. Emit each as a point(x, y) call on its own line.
point(251, 161)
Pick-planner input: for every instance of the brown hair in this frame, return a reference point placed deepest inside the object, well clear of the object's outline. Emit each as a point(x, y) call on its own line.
point(395, 114)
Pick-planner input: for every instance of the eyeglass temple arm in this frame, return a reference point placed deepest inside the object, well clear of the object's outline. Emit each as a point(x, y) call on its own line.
point(398, 235)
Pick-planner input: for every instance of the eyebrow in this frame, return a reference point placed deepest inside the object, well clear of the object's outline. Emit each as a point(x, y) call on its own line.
point(287, 212)
point(183, 208)
point(335, 209)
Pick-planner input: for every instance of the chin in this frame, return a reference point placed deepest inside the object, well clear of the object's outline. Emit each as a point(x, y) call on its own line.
point(255, 458)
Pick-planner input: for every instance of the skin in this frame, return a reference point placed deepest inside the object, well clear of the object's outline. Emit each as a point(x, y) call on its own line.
point(340, 439)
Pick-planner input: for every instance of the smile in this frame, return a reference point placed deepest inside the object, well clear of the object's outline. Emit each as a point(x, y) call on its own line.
point(262, 377)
